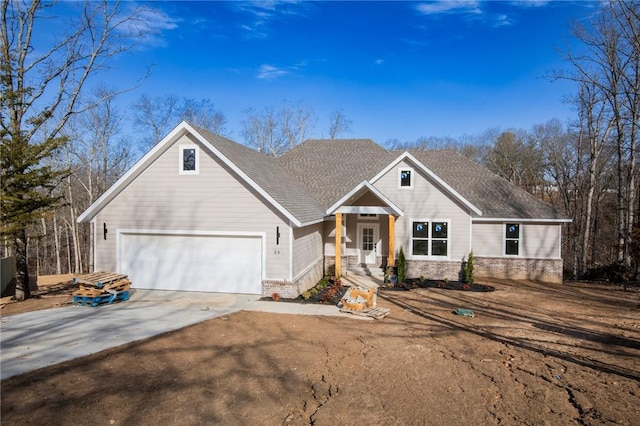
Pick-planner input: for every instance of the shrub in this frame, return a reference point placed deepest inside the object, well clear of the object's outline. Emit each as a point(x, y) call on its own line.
point(275, 296)
point(468, 269)
point(402, 266)
point(306, 295)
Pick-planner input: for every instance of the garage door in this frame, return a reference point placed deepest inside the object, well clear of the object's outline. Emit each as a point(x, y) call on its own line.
point(226, 264)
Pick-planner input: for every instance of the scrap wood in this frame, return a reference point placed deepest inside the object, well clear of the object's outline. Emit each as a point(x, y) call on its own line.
point(86, 292)
point(99, 279)
point(375, 313)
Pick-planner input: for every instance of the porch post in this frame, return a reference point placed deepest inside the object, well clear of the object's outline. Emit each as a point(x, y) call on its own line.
point(392, 237)
point(338, 267)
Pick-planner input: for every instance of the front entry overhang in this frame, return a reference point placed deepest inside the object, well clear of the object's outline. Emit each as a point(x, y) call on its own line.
point(345, 206)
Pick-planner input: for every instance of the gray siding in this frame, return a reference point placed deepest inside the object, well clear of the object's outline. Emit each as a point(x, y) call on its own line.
point(537, 240)
point(213, 200)
point(426, 201)
point(307, 247)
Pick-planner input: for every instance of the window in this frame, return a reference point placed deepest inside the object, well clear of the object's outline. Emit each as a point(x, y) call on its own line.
point(188, 159)
point(430, 238)
point(439, 238)
point(368, 216)
point(405, 179)
point(367, 239)
point(512, 239)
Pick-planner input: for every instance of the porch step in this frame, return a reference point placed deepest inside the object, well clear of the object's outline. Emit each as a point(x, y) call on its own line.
point(366, 279)
point(369, 271)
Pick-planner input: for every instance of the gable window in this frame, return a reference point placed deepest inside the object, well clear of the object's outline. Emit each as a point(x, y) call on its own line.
point(188, 159)
point(512, 239)
point(430, 238)
point(405, 178)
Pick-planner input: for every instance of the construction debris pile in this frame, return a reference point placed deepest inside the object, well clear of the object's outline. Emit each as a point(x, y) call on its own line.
point(359, 301)
point(101, 288)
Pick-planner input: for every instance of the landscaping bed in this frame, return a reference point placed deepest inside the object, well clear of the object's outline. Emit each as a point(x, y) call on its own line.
point(326, 292)
point(413, 283)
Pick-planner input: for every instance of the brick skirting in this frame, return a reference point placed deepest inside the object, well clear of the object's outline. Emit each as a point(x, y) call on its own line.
point(293, 289)
point(545, 270)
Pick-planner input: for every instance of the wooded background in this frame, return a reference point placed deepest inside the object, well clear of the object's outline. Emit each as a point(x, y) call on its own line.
point(60, 155)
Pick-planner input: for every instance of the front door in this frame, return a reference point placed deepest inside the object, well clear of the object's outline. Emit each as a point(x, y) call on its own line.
point(368, 243)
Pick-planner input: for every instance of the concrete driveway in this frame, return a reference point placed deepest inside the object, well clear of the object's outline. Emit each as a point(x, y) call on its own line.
point(38, 339)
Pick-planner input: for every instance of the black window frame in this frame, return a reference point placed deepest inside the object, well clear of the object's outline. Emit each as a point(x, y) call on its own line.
point(512, 239)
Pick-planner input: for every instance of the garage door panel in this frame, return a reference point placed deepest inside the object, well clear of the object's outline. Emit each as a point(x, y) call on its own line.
point(229, 264)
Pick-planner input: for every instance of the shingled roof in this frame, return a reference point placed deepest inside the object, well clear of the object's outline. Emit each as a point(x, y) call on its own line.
point(329, 169)
point(270, 176)
point(493, 195)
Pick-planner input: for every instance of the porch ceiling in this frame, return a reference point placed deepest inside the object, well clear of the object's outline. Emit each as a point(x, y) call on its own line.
point(366, 210)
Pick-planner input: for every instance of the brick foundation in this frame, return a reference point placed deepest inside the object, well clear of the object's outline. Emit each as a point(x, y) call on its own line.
point(435, 269)
point(292, 289)
point(545, 270)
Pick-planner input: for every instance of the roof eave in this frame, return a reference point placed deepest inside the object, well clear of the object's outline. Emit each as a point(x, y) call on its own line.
point(521, 220)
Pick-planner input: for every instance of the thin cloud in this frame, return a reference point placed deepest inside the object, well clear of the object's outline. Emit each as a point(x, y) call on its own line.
point(269, 72)
point(473, 10)
point(262, 13)
point(530, 3)
point(379, 61)
point(151, 23)
point(501, 21)
point(449, 6)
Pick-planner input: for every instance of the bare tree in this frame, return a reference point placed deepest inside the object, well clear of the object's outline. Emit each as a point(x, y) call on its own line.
point(609, 62)
point(338, 124)
point(156, 116)
point(41, 88)
point(273, 131)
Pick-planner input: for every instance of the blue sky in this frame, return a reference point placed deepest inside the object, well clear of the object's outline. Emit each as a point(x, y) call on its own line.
point(398, 69)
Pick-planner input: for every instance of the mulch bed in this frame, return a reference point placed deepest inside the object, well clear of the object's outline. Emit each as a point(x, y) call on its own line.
point(446, 285)
point(321, 298)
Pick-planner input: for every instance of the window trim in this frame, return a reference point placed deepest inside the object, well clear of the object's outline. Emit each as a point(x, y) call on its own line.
point(505, 239)
point(367, 216)
point(406, 169)
point(429, 239)
point(181, 170)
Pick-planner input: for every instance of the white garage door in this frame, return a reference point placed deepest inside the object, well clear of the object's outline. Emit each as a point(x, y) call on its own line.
point(226, 264)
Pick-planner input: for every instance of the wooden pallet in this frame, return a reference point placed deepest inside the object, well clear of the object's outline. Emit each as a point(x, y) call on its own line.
point(88, 292)
point(102, 299)
point(101, 287)
point(375, 313)
point(99, 279)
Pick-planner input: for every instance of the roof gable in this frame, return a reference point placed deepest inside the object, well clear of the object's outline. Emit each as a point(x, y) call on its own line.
point(357, 192)
point(257, 170)
point(444, 186)
point(493, 195)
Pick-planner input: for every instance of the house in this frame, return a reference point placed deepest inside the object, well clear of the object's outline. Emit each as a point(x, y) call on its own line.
point(200, 212)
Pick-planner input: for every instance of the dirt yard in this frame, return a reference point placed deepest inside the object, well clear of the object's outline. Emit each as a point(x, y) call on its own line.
point(533, 354)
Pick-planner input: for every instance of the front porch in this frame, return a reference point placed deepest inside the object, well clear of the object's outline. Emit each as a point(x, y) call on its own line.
point(364, 231)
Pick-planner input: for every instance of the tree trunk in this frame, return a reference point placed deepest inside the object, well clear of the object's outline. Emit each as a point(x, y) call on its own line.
point(22, 270)
point(56, 241)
